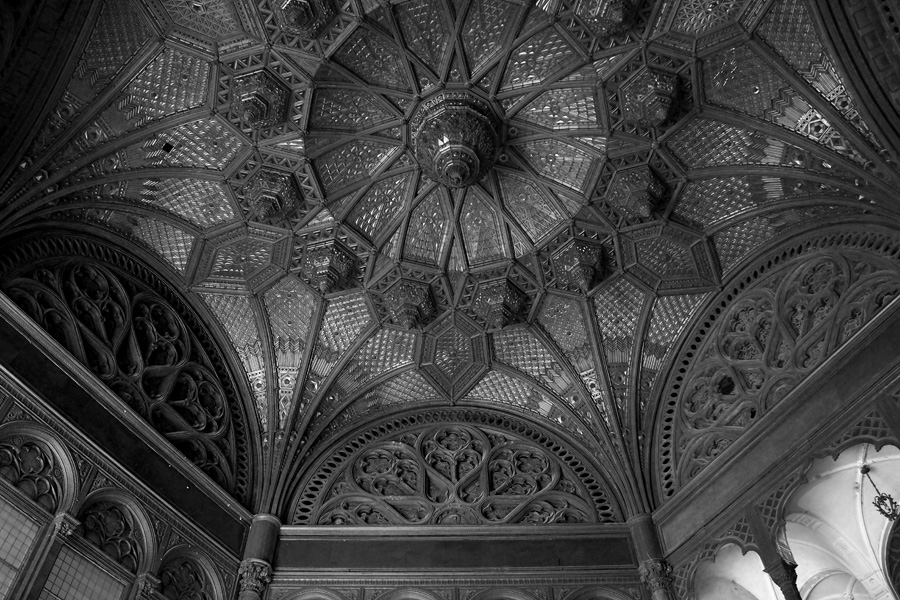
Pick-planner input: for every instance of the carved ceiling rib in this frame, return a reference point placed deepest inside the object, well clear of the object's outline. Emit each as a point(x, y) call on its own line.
point(634, 173)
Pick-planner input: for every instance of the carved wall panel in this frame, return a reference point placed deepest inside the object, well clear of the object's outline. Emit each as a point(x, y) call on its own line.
point(139, 345)
point(184, 576)
point(31, 466)
point(111, 527)
point(771, 337)
point(445, 471)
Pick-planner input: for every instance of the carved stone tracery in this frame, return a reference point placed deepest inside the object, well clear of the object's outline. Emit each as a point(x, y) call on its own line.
point(31, 467)
point(182, 578)
point(137, 344)
point(770, 338)
point(110, 527)
point(453, 474)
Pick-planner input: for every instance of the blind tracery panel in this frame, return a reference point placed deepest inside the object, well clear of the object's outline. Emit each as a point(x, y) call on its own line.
point(454, 474)
point(137, 344)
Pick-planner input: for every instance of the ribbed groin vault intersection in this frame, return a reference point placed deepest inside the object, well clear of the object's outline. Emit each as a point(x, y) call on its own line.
point(449, 299)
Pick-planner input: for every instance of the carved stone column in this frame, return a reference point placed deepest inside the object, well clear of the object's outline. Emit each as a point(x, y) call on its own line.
point(655, 572)
point(255, 571)
point(784, 574)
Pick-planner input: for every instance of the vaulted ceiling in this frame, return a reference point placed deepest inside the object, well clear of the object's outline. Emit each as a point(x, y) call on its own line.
point(532, 207)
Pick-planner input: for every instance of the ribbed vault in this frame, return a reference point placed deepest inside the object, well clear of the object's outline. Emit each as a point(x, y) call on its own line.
point(522, 207)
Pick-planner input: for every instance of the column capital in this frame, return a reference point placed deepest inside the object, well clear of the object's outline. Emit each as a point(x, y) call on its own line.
point(64, 525)
point(146, 587)
point(254, 576)
point(656, 574)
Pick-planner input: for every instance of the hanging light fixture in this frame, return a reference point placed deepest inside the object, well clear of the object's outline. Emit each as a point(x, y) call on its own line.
point(885, 503)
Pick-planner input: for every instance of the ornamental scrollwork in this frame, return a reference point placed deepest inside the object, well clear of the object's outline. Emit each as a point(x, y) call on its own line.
point(769, 339)
point(453, 474)
point(182, 578)
point(31, 467)
point(138, 345)
point(111, 528)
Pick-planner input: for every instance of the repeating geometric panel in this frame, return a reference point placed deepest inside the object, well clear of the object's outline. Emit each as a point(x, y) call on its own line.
point(697, 17)
point(704, 143)
point(380, 205)
point(119, 33)
point(530, 207)
point(201, 202)
point(214, 18)
point(205, 144)
point(429, 229)
point(566, 108)
point(558, 161)
point(424, 30)
point(290, 306)
point(481, 231)
point(520, 348)
point(487, 22)
point(537, 58)
point(343, 109)
point(172, 82)
point(345, 318)
point(351, 162)
point(373, 59)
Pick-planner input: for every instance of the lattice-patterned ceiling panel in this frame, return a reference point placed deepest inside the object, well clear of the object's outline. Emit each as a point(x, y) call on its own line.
point(515, 206)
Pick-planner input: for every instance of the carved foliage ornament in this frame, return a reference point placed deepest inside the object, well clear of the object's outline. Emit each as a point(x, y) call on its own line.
point(30, 466)
point(138, 345)
point(182, 578)
point(453, 474)
point(111, 528)
point(771, 337)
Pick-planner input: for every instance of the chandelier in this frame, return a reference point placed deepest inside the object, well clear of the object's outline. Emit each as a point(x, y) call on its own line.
point(885, 503)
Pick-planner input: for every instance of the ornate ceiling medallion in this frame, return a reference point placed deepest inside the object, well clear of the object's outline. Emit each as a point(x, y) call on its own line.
point(454, 134)
point(307, 18)
point(260, 99)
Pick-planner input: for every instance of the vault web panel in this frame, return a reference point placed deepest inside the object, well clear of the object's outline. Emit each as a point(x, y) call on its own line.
point(343, 109)
point(173, 82)
point(556, 160)
point(380, 205)
point(345, 318)
point(499, 387)
point(429, 228)
point(705, 143)
point(567, 108)
point(539, 57)
point(424, 30)
point(562, 319)
point(788, 28)
point(214, 18)
point(388, 349)
point(481, 231)
point(205, 144)
point(373, 59)
point(351, 162)
point(119, 33)
point(534, 212)
point(201, 202)
point(618, 309)
point(710, 200)
point(519, 348)
point(486, 24)
point(737, 242)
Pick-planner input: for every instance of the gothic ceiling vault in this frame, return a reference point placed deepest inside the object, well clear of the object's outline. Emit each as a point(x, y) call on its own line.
point(292, 229)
